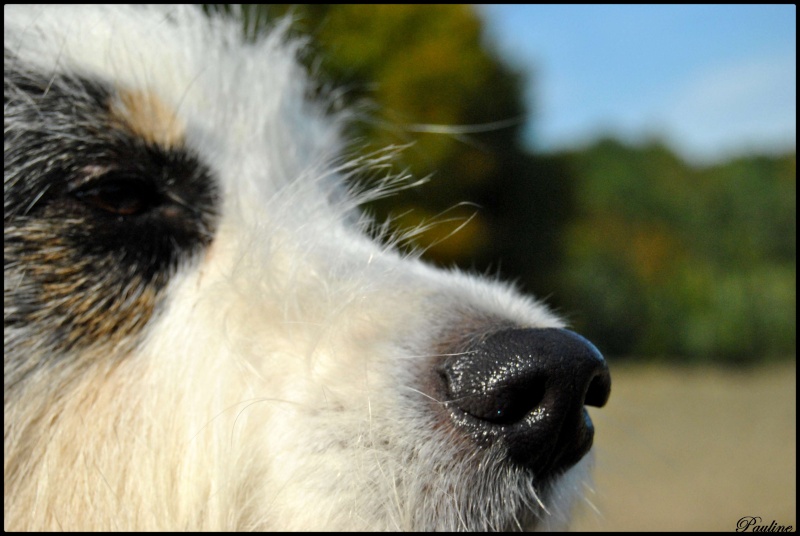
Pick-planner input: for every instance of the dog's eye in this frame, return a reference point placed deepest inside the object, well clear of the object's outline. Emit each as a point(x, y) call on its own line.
point(119, 195)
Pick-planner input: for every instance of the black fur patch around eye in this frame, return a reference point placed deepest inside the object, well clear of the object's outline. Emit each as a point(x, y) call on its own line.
point(97, 216)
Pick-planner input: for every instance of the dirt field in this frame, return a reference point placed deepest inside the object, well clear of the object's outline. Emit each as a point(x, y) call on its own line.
point(695, 449)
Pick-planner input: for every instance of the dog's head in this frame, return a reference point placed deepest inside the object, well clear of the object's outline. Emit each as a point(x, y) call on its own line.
point(200, 332)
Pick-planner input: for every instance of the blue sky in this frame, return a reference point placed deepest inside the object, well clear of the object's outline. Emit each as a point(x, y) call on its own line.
point(711, 80)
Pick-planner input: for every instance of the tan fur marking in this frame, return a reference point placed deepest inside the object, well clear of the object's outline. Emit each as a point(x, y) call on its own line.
point(147, 116)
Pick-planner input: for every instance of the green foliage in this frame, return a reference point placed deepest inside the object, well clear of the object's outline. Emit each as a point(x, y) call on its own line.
point(666, 259)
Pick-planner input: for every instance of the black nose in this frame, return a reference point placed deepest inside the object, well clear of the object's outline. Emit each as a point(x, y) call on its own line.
point(524, 390)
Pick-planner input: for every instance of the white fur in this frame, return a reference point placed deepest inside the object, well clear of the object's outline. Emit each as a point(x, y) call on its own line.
point(280, 386)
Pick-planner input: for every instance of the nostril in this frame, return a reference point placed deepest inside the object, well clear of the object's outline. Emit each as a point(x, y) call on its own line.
point(518, 401)
point(527, 388)
point(495, 396)
point(599, 390)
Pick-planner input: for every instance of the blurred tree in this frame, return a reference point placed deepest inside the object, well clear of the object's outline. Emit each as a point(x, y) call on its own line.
point(666, 259)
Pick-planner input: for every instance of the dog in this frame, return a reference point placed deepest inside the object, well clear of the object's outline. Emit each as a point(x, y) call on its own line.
point(202, 332)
